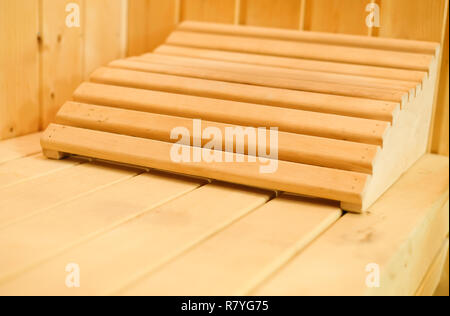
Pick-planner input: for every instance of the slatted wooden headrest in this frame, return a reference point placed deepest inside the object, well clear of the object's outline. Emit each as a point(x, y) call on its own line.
point(353, 112)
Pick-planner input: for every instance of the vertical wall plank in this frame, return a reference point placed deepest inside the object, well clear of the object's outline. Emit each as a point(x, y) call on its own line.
point(149, 23)
point(19, 67)
point(104, 32)
point(412, 19)
point(221, 11)
point(162, 19)
point(137, 27)
point(440, 136)
point(61, 57)
point(423, 20)
point(336, 16)
point(272, 13)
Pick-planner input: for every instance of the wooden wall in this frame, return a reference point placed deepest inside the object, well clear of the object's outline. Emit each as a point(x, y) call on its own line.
point(42, 61)
point(36, 77)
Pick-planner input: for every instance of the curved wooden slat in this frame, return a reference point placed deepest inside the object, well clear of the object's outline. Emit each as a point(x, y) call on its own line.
point(294, 121)
point(293, 63)
point(259, 79)
point(291, 177)
point(304, 149)
point(351, 55)
point(313, 37)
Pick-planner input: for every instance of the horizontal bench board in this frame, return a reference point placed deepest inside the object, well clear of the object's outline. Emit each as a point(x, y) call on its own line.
point(176, 225)
point(206, 269)
point(26, 199)
point(396, 235)
point(106, 208)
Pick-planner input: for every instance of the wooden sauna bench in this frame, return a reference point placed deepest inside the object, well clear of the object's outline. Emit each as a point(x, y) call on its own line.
point(134, 232)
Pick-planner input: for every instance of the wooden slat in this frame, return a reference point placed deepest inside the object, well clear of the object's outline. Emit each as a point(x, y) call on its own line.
point(294, 63)
point(313, 37)
point(440, 133)
point(401, 233)
point(232, 261)
point(24, 169)
point(62, 227)
point(19, 147)
point(352, 55)
point(139, 245)
point(276, 73)
point(59, 44)
point(294, 121)
point(291, 147)
point(38, 195)
point(244, 78)
point(208, 10)
point(272, 13)
point(433, 276)
point(299, 100)
point(19, 64)
point(291, 177)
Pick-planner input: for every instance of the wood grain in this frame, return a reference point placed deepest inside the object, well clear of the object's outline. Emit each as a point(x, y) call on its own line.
point(216, 268)
point(164, 231)
point(60, 44)
point(317, 151)
point(336, 16)
point(433, 276)
point(24, 169)
point(272, 13)
point(104, 33)
point(290, 177)
point(402, 233)
point(282, 98)
point(352, 55)
point(149, 23)
point(222, 11)
point(19, 64)
point(37, 239)
point(439, 136)
point(293, 63)
point(29, 198)
point(276, 73)
point(19, 147)
point(412, 19)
